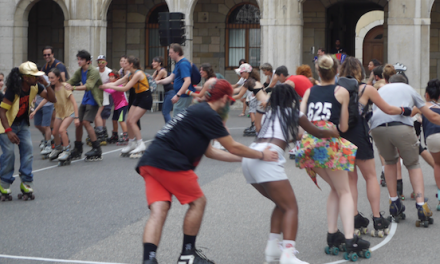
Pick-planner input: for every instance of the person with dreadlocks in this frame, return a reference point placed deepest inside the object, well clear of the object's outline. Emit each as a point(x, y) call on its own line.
point(168, 165)
point(280, 126)
point(23, 83)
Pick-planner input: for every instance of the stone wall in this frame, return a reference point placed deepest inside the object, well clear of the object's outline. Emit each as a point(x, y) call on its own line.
point(434, 70)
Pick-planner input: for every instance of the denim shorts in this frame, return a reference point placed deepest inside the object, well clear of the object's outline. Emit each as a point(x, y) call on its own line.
point(43, 116)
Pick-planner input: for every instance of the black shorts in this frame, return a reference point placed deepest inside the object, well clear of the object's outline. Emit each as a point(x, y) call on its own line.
point(119, 114)
point(106, 112)
point(359, 137)
point(143, 100)
point(87, 112)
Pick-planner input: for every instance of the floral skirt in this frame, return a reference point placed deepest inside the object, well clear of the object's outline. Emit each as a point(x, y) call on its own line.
point(325, 153)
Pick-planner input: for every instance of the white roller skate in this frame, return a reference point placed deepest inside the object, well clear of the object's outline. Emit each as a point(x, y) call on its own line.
point(138, 151)
point(64, 158)
point(217, 145)
point(45, 153)
point(55, 153)
point(288, 256)
point(273, 251)
point(42, 144)
point(125, 152)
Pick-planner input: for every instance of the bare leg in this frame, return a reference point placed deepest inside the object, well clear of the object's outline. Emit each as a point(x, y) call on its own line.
point(134, 115)
point(63, 130)
point(90, 130)
point(194, 216)
point(368, 170)
point(124, 126)
point(353, 180)
point(416, 177)
point(56, 133)
point(98, 119)
point(276, 219)
point(155, 223)
point(436, 157)
point(115, 125)
point(428, 158)
point(391, 178)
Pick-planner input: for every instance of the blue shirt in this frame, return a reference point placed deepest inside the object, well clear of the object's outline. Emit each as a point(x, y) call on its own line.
point(181, 71)
point(88, 96)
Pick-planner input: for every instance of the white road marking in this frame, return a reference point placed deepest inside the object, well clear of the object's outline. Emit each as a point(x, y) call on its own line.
point(56, 260)
point(376, 247)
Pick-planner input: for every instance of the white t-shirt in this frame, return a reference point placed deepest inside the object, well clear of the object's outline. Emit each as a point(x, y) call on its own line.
point(105, 79)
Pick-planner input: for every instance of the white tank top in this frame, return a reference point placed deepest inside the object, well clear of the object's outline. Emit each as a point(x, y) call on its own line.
point(276, 132)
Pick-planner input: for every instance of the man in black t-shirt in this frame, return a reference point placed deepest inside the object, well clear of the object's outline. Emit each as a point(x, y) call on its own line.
point(22, 89)
point(168, 166)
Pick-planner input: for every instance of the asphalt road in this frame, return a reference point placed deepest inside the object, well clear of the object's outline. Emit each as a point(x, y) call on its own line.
point(96, 212)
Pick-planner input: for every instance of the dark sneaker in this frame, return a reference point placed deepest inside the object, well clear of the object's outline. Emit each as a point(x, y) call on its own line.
point(151, 261)
point(193, 257)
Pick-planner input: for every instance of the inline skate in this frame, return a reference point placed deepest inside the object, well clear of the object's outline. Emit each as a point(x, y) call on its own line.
point(5, 194)
point(45, 153)
point(114, 138)
point(77, 151)
point(381, 226)
point(425, 215)
point(26, 192)
point(55, 153)
point(125, 152)
point(102, 136)
point(250, 131)
point(336, 243)
point(400, 189)
point(123, 140)
point(382, 180)
point(273, 251)
point(361, 224)
point(95, 154)
point(64, 159)
point(42, 144)
point(138, 151)
point(397, 210)
point(150, 261)
point(357, 247)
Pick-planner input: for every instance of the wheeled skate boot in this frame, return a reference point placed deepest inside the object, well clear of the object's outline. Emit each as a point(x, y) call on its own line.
point(250, 131)
point(382, 180)
point(55, 153)
point(397, 210)
point(64, 158)
point(123, 140)
point(102, 137)
point(138, 151)
point(125, 152)
point(357, 247)
point(95, 154)
point(42, 144)
point(273, 251)
point(26, 192)
point(47, 150)
point(400, 190)
point(336, 243)
point(381, 227)
point(114, 138)
point(361, 224)
point(194, 256)
point(5, 194)
point(77, 151)
point(292, 153)
point(425, 215)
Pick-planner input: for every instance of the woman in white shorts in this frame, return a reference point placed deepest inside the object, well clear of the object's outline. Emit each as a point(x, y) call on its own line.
point(280, 126)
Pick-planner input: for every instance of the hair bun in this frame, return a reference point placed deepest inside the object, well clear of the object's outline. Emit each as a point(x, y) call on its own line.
point(325, 62)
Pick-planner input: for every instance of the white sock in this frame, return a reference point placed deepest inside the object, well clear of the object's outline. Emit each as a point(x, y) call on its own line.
point(394, 198)
point(132, 139)
point(288, 244)
point(421, 204)
point(273, 236)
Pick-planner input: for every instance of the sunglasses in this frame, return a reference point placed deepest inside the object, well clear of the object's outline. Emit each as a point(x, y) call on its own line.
point(102, 62)
point(46, 55)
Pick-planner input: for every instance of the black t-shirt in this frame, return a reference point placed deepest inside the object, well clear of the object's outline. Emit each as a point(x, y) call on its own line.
point(56, 64)
point(23, 111)
point(180, 144)
point(1, 96)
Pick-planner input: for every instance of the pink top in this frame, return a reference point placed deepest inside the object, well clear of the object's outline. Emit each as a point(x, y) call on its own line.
point(119, 98)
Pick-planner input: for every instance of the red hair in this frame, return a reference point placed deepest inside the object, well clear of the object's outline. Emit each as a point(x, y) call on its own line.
point(219, 89)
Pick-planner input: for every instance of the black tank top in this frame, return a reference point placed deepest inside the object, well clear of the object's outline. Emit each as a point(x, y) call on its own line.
point(428, 127)
point(322, 104)
point(167, 87)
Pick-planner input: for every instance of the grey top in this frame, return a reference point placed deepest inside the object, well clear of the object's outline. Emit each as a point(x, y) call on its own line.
point(38, 98)
point(396, 94)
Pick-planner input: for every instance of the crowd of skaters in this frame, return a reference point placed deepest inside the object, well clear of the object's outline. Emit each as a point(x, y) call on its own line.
point(313, 114)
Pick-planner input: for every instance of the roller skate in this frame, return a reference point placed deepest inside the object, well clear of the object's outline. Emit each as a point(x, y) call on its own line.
point(273, 251)
point(114, 138)
point(45, 153)
point(42, 144)
point(250, 131)
point(361, 224)
point(336, 243)
point(88, 142)
point(95, 154)
point(381, 227)
point(382, 180)
point(77, 151)
point(138, 151)
point(400, 190)
point(5, 194)
point(125, 152)
point(292, 153)
point(194, 256)
point(55, 153)
point(288, 256)
point(424, 213)
point(26, 192)
point(64, 158)
point(102, 137)
point(357, 247)
point(397, 210)
point(123, 140)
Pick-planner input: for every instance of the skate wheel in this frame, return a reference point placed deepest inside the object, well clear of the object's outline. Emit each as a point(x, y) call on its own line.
point(335, 251)
point(431, 221)
point(425, 224)
point(364, 231)
point(380, 234)
point(387, 231)
point(367, 254)
point(403, 216)
point(354, 257)
point(373, 233)
point(357, 232)
point(9, 198)
point(346, 256)
point(418, 223)
point(25, 197)
point(19, 196)
point(32, 197)
point(402, 197)
point(327, 250)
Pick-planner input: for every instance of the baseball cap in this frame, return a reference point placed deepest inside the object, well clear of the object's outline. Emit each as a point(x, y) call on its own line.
point(101, 57)
point(30, 68)
point(219, 88)
point(245, 67)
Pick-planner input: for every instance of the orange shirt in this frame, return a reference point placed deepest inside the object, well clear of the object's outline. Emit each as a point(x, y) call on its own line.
point(142, 85)
point(302, 84)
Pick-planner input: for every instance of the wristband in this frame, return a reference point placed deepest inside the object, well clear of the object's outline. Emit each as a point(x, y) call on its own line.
point(8, 130)
point(262, 158)
point(188, 92)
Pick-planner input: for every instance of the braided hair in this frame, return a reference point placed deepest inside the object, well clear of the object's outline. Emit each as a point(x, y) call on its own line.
point(283, 105)
point(15, 81)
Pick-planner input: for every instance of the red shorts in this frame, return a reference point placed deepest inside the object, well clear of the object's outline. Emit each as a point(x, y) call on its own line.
point(161, 184)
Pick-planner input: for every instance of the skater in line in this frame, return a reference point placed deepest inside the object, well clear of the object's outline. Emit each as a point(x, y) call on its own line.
point(66, 112)
point(161, 73)
point(208, 74)
point(143, 101)
point(327, 106)
point(359, 136)
point(121, 109)
point(23, 84)
point(279, 126)
point(168, 168)
point(90, 81)
point(271, 77)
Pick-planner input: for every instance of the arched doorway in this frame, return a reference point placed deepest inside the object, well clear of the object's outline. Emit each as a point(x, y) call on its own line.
point(373, 46)
point(434, 62)
point(46, 28)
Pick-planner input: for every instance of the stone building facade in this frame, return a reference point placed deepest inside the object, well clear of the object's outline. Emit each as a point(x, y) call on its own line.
point(281, 32)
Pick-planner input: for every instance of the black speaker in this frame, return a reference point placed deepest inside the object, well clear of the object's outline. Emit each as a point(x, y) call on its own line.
point(171, 28)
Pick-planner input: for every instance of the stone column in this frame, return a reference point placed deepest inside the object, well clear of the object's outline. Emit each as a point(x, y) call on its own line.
point(282, 33)
point(186, 7)
point(408, 40)
point(7, 30)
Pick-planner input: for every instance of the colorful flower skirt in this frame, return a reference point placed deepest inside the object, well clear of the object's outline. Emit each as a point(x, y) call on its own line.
point(325, 153)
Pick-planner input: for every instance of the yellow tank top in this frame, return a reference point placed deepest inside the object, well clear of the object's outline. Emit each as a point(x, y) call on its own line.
point(142, 85)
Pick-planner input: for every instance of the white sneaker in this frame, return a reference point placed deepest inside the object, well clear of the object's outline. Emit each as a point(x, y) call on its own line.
point(139, 148)
point(292, 151)
point(288, 256)
point(47, 150)
point(130, 146)
point(273, 251)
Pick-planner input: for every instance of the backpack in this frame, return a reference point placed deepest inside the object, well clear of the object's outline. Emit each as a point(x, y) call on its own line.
point(352, 86)
point(151, 82)
point(195, 75)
